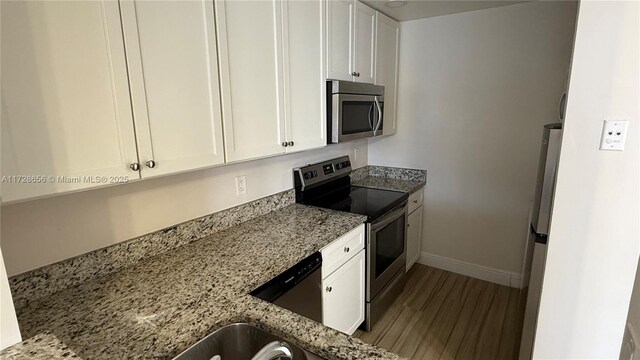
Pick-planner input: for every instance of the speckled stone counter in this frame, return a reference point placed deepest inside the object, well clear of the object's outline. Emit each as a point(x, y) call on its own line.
point(390, 184)
point(39, 347)
point(389, 178)
point(163, 304)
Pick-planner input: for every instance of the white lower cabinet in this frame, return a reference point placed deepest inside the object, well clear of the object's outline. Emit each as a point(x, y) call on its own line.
point(414, 237)
point(414, 227)
point(343, 277)
point(343, 296)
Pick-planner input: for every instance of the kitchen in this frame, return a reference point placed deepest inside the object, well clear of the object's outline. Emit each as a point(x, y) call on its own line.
point(213, 114)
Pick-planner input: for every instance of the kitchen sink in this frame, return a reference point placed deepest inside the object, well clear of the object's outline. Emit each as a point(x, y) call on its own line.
point(238, 342)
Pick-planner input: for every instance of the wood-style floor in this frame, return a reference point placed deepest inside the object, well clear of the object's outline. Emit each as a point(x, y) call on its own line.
point(442, 315)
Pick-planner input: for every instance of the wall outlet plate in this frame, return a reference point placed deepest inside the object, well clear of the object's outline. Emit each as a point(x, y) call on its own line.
point(614, 135)
point(241, 185)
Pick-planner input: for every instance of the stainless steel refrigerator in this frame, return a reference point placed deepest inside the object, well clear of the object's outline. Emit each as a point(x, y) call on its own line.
point(539, 229)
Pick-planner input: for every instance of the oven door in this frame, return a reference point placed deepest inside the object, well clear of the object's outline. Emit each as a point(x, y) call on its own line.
point(386, 249)
point(355, 117)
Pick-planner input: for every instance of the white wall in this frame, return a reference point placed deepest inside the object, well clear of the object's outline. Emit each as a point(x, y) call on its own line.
point(41, 232)
point(594, 240)
point(475, 90)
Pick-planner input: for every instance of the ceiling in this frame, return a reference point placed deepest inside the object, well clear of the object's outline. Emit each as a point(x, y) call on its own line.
point(418, 9)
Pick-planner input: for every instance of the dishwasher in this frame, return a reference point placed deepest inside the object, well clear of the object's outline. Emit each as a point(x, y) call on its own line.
point(298, 289)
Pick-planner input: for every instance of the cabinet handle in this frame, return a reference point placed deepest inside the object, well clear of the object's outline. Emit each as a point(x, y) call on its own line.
point(354, 74)
point(329, 288)
point(291, 143)
point(358, 74)
point(135, 166)
point(285, 144)
point(346, 249)
point(415, 201)
point(151, 164)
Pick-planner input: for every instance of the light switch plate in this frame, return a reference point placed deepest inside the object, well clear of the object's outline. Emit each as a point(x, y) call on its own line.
point(614, 134)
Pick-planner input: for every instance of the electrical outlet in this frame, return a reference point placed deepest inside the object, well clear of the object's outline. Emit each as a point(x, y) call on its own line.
point(241, 185)
point(614, 134)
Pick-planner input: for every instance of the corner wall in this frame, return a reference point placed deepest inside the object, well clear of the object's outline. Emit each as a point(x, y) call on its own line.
point(594, 239)
point(41, 232)
point(475, 90)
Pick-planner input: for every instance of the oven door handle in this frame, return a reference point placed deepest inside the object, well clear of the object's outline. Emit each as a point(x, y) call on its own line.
point(389, 217)
point(375, 131)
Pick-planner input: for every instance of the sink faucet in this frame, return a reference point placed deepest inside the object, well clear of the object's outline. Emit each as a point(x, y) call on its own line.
point(274, 350)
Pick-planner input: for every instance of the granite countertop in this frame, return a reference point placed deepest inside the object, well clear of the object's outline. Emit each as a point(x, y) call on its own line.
point(164, 304)
point(388, 183)
point(43, 346)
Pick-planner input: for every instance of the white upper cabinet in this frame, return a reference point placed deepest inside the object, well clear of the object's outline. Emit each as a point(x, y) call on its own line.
point(65, 107)
point(340, 16)
point(364, 44)
point(95, 92)
point(305, 88)
point(251, 74)
point(272, 76)
point(173, 69)
point(351, 41)
point(387, 49)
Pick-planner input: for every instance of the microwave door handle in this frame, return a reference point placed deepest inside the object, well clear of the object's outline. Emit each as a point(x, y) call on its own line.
point(371, 116)
point(375, 131)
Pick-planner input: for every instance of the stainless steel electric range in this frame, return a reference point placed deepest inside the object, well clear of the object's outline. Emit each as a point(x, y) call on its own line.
point(328, 185)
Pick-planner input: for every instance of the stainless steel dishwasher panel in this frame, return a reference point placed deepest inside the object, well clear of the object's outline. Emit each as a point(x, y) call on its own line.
point(297, 289)
point(305, 298)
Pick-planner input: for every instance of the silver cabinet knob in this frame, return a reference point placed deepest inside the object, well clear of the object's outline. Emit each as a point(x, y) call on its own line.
point(151, 164)
point(346, 249)
point(135, 166)
point(329, 288)
point(415, 201)
point(285, 144)
point(291, 143)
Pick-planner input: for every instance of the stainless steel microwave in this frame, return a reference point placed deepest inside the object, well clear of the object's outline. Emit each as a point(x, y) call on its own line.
point(354, 111)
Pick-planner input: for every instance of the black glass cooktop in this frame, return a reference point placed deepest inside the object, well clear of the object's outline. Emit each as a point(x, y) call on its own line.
point(361, 200)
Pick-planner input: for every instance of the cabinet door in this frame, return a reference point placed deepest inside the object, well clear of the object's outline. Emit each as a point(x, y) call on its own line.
point(414, 236)
point(305, 87)
point(364, 43)
point(343, 296)
point(173, 69)
point(66, 111)
point(387, 41)
point(340, 15)
point(251, 76)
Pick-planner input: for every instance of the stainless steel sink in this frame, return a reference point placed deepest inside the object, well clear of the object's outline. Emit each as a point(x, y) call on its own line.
point(238, 342)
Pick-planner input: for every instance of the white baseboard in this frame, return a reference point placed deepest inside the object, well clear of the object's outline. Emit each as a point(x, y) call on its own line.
point(497, 276)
